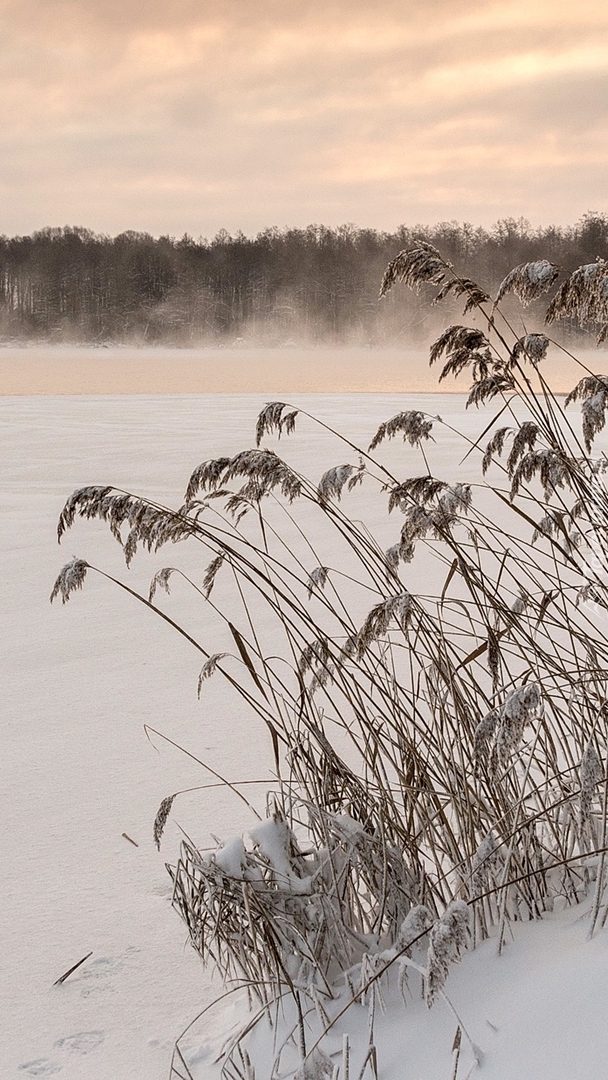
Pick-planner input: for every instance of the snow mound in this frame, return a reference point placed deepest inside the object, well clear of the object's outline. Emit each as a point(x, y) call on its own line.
point(536, 1012)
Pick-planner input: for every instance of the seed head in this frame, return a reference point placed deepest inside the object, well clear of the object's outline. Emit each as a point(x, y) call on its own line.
point(583, 296)
point(532, 347)
point(528, 281)
point(413, 425)
point(448, 940)
point(484, 859)
point(591, 773)
point(274, 418)
point(332, 482)
point(209, 668)
point(71, 577)
point(161, 581)
point(415, 266)
point(317, 580)
point(161, 819)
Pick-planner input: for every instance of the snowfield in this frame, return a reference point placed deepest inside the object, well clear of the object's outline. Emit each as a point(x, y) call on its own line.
point(78, 773)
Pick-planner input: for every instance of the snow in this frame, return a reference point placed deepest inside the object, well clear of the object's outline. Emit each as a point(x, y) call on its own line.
point(78, 773)
point(539, 271)
point(536, 1012)
point(230, 857)
point(273, 839)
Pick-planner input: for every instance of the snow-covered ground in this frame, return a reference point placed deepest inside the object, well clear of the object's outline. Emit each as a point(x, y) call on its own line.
point(537, 1012)
point(77, 772)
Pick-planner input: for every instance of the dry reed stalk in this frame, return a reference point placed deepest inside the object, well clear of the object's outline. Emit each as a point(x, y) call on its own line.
point(428, 744)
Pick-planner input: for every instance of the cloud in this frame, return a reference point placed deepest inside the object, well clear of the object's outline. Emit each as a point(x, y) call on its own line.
point(189, 116)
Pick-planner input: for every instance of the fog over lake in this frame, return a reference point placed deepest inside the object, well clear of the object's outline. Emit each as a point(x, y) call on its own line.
point(85, 370)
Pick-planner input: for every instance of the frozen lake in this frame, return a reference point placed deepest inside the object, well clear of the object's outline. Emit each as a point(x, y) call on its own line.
point(79, 684)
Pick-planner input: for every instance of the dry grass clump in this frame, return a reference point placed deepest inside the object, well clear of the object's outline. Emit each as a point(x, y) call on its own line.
point(439, 740)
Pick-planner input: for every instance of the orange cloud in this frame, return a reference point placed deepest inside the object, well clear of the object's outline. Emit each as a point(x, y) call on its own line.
point(191, 115)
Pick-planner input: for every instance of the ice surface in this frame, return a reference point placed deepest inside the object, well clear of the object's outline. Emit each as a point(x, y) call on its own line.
point(79, 682)
point(77, 772)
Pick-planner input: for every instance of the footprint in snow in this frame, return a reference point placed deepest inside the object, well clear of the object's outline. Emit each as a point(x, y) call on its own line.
point(40, 1067)
point(83, 1042)
point(96, 976)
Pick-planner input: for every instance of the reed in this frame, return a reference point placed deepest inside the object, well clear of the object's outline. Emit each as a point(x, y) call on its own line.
point(440, 755)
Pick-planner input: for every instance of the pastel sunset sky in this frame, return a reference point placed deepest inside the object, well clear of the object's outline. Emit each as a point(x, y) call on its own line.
point(175, 116)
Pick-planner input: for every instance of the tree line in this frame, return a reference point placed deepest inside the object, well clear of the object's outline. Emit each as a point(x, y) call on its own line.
point(307, 286)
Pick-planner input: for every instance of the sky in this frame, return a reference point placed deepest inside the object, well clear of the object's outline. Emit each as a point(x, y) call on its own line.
point(174, 116)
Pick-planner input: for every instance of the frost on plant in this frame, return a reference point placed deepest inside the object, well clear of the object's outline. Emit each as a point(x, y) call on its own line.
point(522, 705)
point(528, 280)
point(532, 347)
point(448, 940)
point(70, 578)
point(591, 773)
point(484, 859)
point(316, 1067)
point(274, 418)
point(583, 295)
point(332, 482)
point(398, 608)
point(413, 425)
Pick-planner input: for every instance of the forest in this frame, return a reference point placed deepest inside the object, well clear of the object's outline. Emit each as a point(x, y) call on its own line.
point(305, 286)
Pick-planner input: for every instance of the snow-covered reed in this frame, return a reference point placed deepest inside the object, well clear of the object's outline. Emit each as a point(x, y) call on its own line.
point(437, 709)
